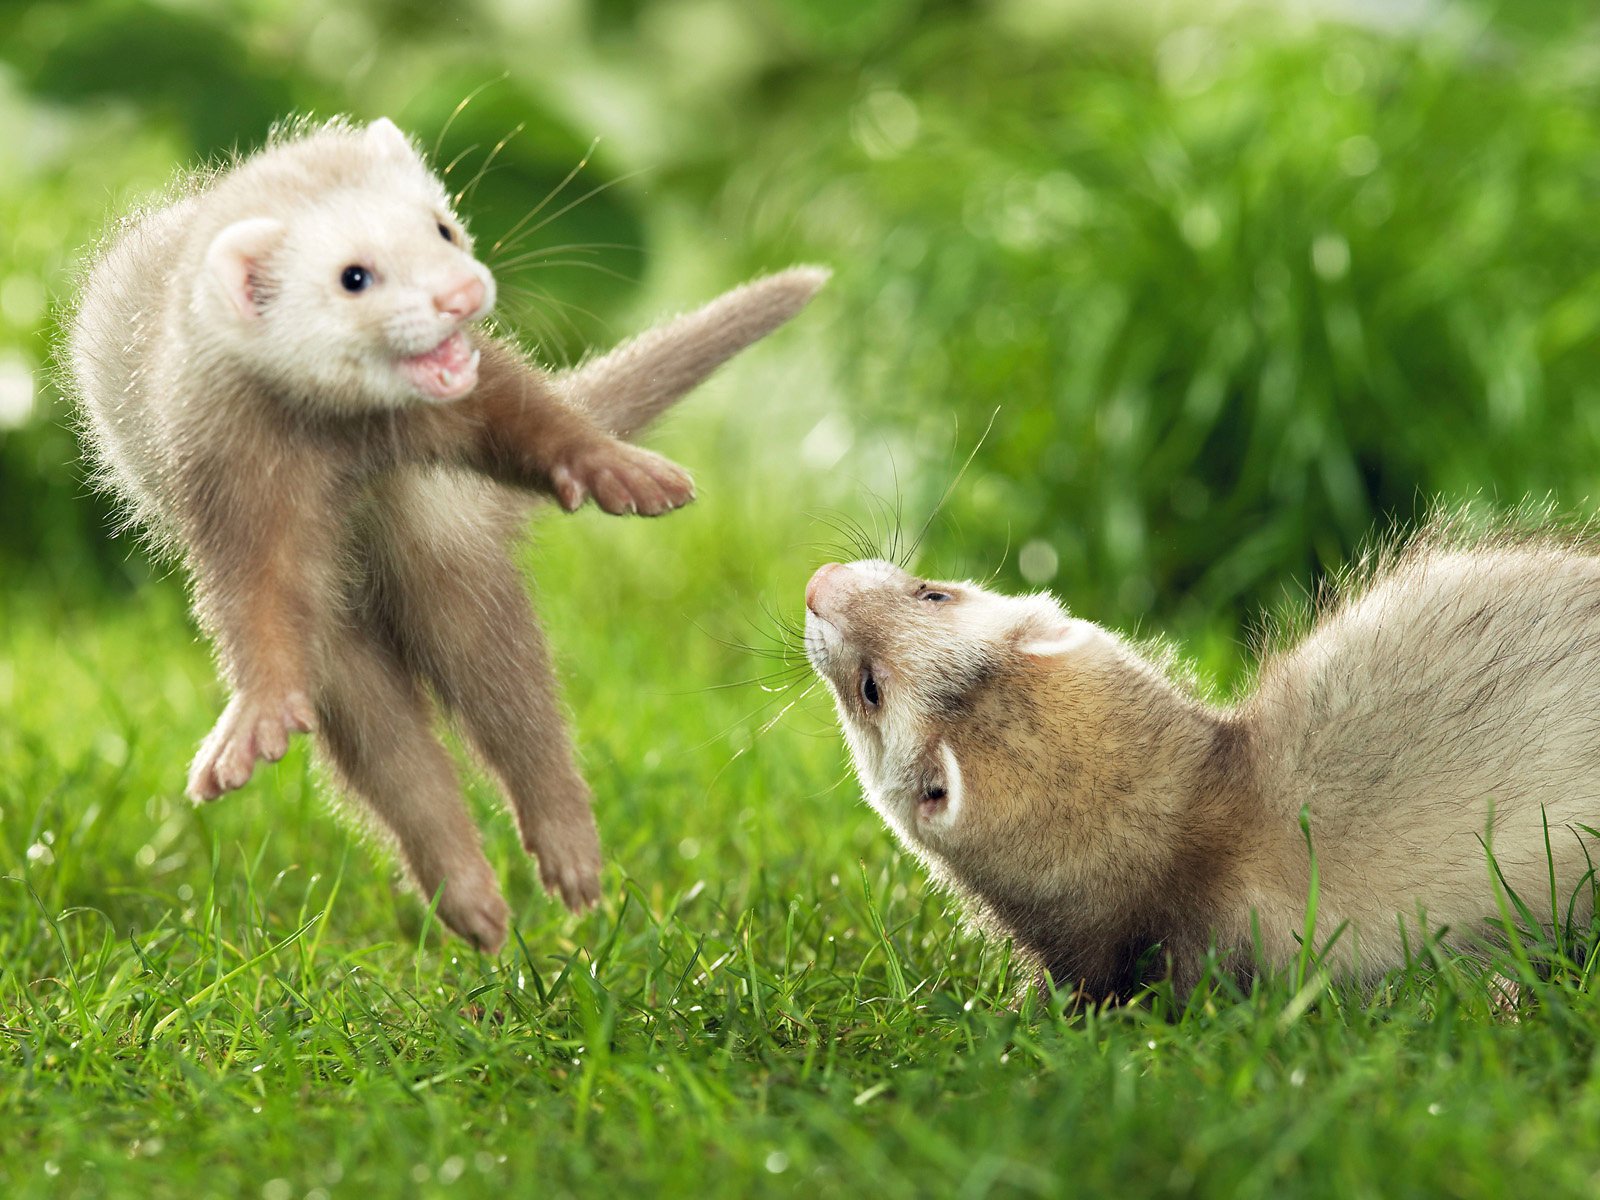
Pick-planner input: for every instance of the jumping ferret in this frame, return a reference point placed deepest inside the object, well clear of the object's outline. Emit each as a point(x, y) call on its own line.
point(282, 373)
point(1087, 805)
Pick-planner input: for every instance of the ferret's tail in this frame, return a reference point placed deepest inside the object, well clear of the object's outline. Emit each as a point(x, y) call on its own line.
point(629, 387)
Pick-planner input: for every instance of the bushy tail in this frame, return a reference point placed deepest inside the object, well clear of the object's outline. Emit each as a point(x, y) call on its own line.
point(632, 385)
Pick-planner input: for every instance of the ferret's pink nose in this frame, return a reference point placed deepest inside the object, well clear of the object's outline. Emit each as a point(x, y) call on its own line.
point(460, 300)
point(818, 586)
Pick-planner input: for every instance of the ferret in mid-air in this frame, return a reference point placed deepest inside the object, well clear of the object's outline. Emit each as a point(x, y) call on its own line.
point(283, 373)
point(1118, 828)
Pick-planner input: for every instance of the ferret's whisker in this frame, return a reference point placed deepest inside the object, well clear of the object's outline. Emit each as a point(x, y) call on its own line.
point(1005, 553)
point(564, 248)
point(557, 307)
point(954, 483)
point(763, 730)
point(577, 262)
point(528, 291)
point(456, 161)
point(854, 535)
point(566, 208)
point(471, 188)
point(549, 196)
point(461, 108)
point(544, 329)
point(899, 523)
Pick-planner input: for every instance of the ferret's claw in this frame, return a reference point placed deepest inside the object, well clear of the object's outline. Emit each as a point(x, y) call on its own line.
point(624, 480)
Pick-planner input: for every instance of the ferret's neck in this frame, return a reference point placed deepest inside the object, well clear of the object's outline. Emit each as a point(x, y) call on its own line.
point(1152, 816)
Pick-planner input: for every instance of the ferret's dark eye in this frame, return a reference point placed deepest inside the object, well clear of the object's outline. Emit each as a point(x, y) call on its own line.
point(355, 279)
point(869, 688)
point(936, 597)
point(935, 793)
point(444, 232)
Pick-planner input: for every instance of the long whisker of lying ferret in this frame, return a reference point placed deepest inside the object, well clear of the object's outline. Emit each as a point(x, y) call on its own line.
point(949, 490)
point(781, 647)
point(764, 728)
point(857, 542)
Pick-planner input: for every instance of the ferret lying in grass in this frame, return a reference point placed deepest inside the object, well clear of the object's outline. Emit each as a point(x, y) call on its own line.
point(283, 374)
point(1086, 804)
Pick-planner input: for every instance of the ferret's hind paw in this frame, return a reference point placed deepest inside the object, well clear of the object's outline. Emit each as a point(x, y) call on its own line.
point(577, 884)
point(569, 867)
point(251, 728)
point(472, 908)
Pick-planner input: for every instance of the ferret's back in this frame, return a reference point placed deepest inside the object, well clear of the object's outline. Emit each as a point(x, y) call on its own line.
point(124, 309)
point(1462, 682)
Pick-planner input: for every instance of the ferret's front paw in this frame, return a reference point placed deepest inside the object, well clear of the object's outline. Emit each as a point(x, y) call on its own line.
point(251, 728)
point(472, 908)
point(569, 862)
point(622, 479)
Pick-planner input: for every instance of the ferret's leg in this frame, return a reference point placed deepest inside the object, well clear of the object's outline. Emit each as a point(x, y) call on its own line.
point(462, 619)
point(377, 732)
point(513, 427)
point(263, 535)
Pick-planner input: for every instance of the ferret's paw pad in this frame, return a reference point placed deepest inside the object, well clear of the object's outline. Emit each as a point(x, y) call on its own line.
point(624, 479)
point(251, 728)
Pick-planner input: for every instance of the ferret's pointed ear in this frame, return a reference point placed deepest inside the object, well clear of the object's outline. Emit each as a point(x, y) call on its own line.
point(234, 260)
point(940, 789)
point(1048, 632)
point(384, 136)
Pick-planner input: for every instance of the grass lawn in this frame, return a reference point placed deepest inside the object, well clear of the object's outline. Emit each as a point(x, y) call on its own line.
point(237, 1001)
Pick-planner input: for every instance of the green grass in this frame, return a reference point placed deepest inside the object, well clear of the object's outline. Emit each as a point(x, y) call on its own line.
point(237, 1001)
point(1241, 288)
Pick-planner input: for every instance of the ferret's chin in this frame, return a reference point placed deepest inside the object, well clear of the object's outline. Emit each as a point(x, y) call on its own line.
point(447, 372)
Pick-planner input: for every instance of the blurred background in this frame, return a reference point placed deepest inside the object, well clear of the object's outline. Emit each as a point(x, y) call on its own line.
point(1236, 281)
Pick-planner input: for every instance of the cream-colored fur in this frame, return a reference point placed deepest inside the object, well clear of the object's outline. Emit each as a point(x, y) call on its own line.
point(1116, 825)
point(281, 370)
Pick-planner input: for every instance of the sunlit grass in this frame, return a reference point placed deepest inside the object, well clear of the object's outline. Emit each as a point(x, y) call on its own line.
point(237, 1001)
point(1231, 293)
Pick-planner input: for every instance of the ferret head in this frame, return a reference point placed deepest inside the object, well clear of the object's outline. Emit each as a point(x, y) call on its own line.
point(344, 277)
point(958, 706)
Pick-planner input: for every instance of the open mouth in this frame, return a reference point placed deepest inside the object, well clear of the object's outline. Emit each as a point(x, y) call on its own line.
point(447, 372)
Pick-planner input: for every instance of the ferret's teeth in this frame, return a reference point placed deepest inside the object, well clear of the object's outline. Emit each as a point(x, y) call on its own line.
point(472, 363)
point(448, 378)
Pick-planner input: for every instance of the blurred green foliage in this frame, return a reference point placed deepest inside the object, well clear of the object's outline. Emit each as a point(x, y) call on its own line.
point(1239, 282)
point(1238, 290)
